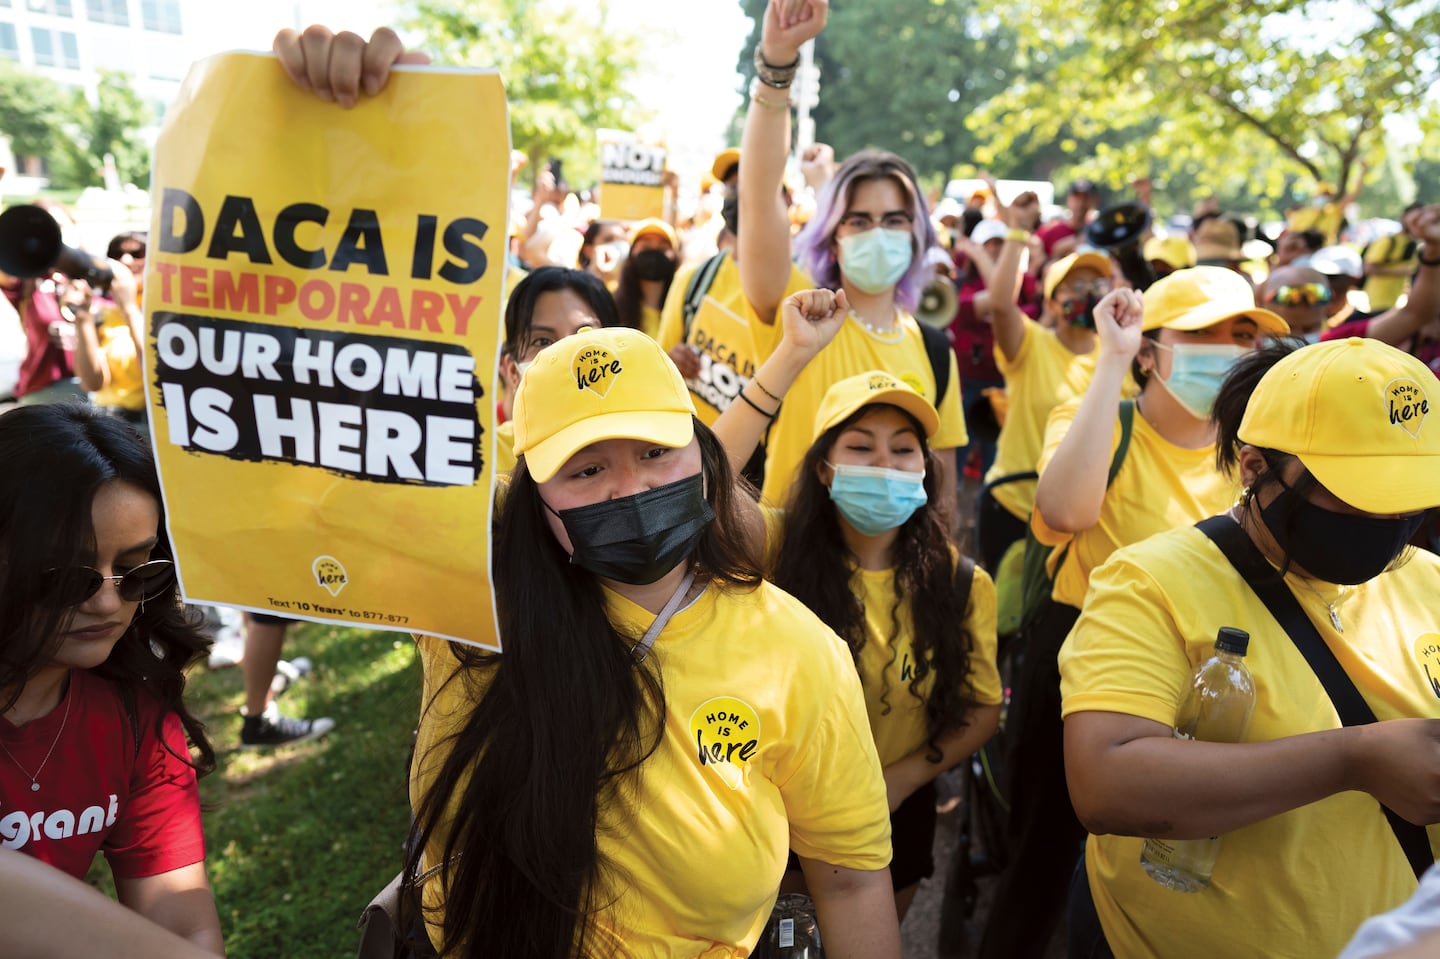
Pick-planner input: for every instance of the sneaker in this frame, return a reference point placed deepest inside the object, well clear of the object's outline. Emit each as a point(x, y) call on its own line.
point(227, 632)
point(289, 672)
point(274, 728)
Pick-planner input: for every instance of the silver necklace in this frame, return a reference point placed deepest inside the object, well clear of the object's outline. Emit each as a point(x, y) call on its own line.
point(1329, 604)
point(35, 786)
point(888, 334)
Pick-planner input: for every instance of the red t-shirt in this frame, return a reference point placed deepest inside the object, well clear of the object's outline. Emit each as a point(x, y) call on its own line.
point(96, 792)
point(1053, 232)
point(45, 361)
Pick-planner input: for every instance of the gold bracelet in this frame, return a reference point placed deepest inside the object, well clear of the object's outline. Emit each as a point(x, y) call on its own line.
point(1018, 235)
point(770, 104)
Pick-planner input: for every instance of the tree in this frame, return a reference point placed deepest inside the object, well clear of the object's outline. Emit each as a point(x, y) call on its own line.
point(903, 76)
point(1275, 96)
point(565, 69)
point(31, 106)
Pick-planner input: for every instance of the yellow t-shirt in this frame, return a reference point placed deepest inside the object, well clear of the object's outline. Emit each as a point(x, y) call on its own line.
point(731, 340)
point(1383, 291)
point(1160, 486)
point(1043, 374)
point(1296, 885)
point(701, 846)
point(650, 321)
point(1327, 219)
point(897, 716)
point(126, 389)
point(856, 350)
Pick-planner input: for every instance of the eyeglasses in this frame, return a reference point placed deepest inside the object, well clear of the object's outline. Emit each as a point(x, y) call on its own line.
point(861, 222)
point(71, 587)
point(1080, 288)
point(1305, 294)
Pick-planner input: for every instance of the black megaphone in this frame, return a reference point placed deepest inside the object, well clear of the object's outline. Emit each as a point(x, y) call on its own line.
point(30, 246)
point(1118, 230)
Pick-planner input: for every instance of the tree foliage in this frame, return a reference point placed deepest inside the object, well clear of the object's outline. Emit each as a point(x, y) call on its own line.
point(72, 135)
point(565, 69)
point(903, 75)
point(1265, 96)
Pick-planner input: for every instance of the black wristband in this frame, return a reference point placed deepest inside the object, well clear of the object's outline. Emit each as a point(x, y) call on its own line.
point(751, 403)
point(1425, 262)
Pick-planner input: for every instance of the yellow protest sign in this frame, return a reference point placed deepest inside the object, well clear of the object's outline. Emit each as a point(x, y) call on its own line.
point(631, 177)
point(323, 300)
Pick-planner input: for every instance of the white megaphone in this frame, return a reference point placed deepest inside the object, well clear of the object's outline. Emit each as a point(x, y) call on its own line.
point(938, 303)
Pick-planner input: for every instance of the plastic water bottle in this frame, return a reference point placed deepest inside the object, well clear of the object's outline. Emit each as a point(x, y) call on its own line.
point(792, 932)
point(1216, 709)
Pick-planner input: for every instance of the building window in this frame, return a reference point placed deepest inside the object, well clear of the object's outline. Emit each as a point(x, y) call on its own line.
point(55, 48)
point(109, 11)
point(162, 16)
point(9, 45)
point(59, 8)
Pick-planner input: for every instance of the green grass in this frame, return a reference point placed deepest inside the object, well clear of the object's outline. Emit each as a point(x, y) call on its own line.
point(300, 838)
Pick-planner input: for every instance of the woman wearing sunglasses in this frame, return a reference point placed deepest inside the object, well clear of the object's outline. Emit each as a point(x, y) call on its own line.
point(93, 647)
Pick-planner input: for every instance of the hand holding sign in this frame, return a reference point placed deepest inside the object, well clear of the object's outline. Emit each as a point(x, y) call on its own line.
point(335, 66)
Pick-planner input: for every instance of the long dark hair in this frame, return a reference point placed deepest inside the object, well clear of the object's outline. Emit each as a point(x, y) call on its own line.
point(561, 722)
point(520, 308)
point(630, 299)
point(816, 567)
point(57, 458)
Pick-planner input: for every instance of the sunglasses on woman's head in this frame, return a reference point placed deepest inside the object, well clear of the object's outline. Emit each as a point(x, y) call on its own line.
point(1305, 294)
point(71, 587)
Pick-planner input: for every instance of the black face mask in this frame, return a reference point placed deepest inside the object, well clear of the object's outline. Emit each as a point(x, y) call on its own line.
point(653, 265)
point(1336, 547)
point(638, 539)
point(730, 213)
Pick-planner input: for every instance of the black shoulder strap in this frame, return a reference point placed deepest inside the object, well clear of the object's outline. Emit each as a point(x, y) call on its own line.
point(964, 581)
point(937, 348)
point(700, 283)
point(1267, 584)
point(1127, 426)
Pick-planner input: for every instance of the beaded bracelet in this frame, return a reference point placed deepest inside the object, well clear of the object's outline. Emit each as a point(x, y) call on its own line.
point(779, 76)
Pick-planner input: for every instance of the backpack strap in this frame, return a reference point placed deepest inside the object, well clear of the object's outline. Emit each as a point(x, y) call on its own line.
point(1265, 581)
point(700, 282)
point(1037, 555)
point(964, 581)
point(937, 349)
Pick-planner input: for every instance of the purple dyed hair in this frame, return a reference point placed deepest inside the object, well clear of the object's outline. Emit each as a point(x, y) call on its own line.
point(814, 246)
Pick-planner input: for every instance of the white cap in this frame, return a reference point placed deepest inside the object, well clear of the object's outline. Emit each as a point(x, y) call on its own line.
point(1337, 261)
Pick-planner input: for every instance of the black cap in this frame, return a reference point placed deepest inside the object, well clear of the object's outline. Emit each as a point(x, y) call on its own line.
point(1083, 185)
point(1232, 640)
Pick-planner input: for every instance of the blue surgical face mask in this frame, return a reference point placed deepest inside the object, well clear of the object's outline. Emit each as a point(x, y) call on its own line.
point(873, 499)
point(876, 260)
point(1196, 372)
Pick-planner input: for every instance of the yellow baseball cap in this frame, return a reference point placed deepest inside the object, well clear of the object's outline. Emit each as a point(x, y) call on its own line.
point(847, 396)
point(724, 160)
point(599, 385)
point(1061, 268)
point(1356, 413)
point(1176, 250)
point(1203, 296)
point(655, 226)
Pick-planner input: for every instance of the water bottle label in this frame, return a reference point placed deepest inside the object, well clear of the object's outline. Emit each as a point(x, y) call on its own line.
point(787, 933)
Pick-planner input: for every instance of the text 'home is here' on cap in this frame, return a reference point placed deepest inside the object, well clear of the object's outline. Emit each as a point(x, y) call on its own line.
point(599, 385)
point(1360, 415)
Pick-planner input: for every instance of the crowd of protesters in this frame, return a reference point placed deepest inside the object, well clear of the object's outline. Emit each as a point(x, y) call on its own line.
point(812, 547)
